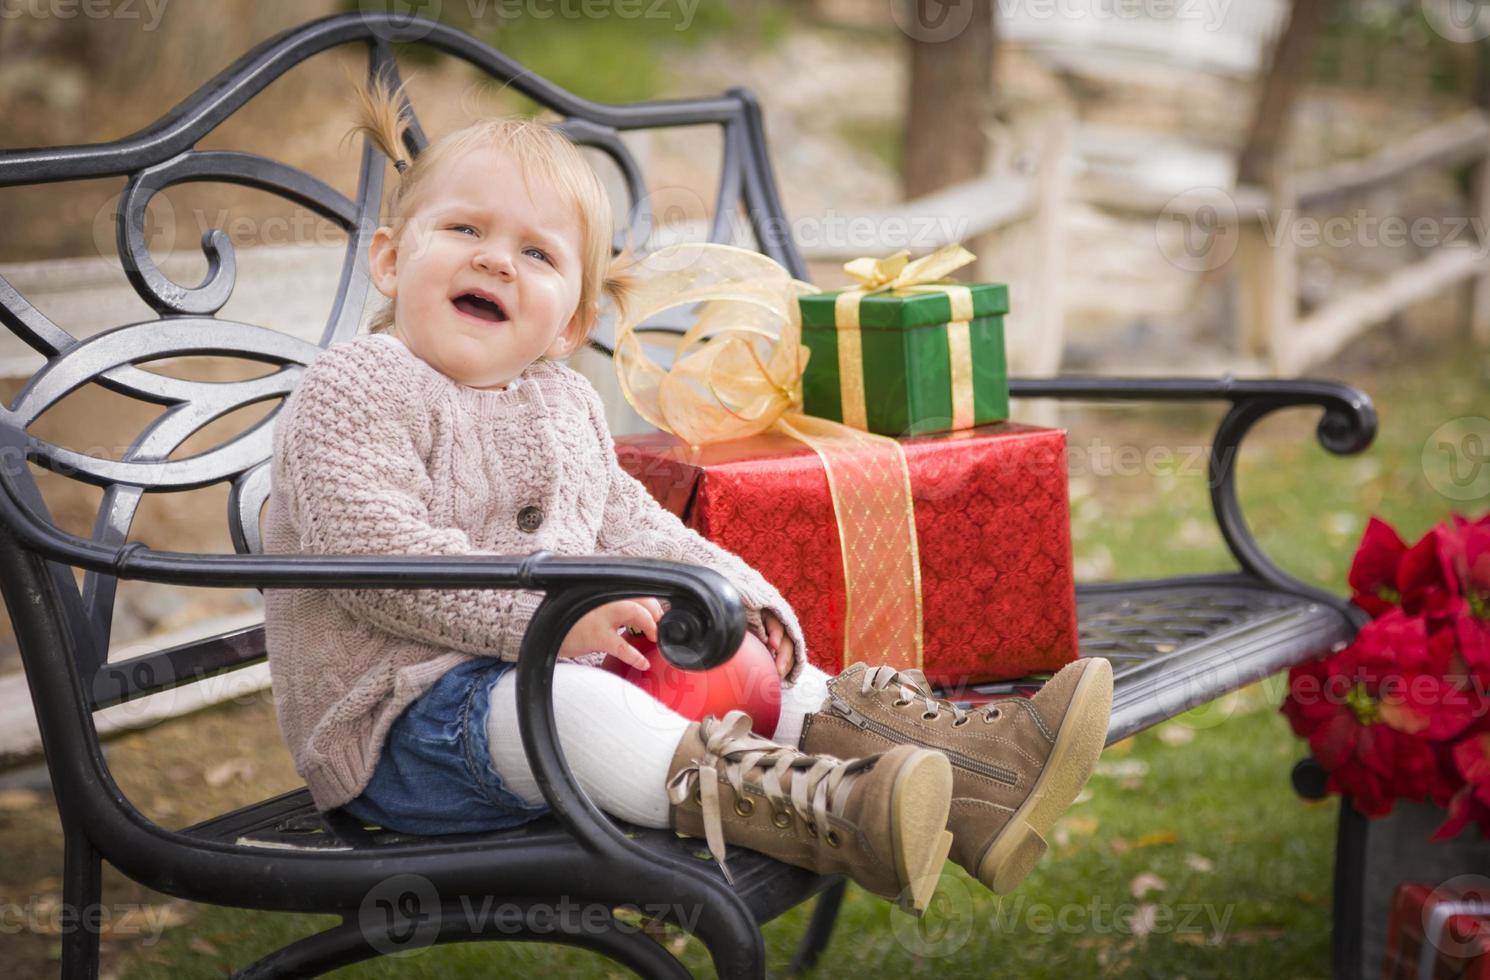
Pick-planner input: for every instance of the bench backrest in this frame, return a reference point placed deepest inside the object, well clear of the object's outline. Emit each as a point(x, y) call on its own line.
point(187, 321)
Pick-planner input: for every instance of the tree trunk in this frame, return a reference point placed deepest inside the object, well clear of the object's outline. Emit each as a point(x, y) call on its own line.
point(1279, 87)
point(951, 94)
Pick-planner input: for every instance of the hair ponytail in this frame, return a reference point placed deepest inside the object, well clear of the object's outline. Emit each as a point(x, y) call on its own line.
point(380, 117)
point(620, 282)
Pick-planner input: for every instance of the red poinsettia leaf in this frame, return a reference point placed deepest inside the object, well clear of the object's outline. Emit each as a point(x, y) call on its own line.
point(1389, 646)
point(1472, 639)
point(1447, 780)
point(1474, 573)
point(1472, 758)
point(1461, 813)
point(1374, 569)
point(1426, 570)
point(1333, 742)
point(1367, 789)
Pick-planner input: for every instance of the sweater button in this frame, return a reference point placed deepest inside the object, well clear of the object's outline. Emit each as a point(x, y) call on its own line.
point(529, 519)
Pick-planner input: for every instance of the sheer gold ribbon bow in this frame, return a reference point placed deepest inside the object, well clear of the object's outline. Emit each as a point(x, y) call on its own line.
point(898, 275)
point(737, 372)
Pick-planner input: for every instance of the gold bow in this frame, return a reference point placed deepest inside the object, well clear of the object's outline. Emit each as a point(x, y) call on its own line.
point(736, 372)
point(897, 274)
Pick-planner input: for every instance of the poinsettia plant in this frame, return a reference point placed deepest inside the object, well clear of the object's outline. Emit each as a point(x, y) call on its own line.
point(1403, 712)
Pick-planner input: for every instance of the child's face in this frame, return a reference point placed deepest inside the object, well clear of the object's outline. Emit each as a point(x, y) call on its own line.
point(485, 275)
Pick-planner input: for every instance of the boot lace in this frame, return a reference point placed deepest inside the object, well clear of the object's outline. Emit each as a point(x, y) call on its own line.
point(913, 687)
point(809, 786)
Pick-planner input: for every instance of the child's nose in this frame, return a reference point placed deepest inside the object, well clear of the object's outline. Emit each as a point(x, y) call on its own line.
point(494, 261)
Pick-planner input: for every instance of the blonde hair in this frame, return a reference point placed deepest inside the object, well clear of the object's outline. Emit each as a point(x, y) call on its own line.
point(540, 152)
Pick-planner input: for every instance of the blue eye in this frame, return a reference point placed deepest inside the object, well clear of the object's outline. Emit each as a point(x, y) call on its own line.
point(463, 229)
point(539, 253)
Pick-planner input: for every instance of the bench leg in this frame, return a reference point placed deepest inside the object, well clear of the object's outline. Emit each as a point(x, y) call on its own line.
point(82, 893)
point(353, 942)
point(1347, 937)
point(819, 928)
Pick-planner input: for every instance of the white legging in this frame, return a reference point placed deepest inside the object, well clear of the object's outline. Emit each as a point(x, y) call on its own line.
point(617, 739)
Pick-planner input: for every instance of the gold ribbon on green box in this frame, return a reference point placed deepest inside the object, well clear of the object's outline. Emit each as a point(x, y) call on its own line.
point(900, 276)
point(737, 372)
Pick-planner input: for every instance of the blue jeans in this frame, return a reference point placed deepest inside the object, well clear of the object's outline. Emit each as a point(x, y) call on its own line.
point(435, 774)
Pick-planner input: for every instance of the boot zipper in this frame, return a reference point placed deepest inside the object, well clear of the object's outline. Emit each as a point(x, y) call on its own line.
point(844, 709)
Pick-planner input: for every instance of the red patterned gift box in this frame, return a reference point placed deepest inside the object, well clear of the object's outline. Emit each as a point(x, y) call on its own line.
point(992, 524)
point(1454, 926)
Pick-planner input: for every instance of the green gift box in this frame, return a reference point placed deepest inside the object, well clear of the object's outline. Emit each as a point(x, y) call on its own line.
point(909, 348)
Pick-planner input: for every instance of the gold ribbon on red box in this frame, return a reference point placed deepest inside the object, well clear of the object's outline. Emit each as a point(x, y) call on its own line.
point(736, 372)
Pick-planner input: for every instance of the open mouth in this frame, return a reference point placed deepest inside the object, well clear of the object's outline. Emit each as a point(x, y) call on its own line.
point(480, 307)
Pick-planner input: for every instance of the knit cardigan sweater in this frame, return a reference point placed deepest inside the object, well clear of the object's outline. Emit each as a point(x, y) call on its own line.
point(377, 452)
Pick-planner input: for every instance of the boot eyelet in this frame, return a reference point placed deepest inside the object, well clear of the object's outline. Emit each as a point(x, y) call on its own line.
point(812, 829)
point(744, 807)
point(930, 715)
point(833, 839)
point(900, 702)
point(960, 722)
point(781, 819)
point(992, 716)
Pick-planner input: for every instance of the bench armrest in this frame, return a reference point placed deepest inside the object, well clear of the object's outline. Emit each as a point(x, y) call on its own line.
point(1347, 426)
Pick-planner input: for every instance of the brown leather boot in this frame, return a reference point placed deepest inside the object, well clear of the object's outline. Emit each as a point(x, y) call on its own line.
point(881, 820)
point(1017, 764)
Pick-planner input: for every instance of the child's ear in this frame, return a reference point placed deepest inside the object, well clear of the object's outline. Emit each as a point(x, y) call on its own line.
point(574, 331)
point(382, 262)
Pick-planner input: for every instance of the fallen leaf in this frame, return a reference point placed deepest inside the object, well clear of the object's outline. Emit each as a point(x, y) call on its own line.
point(1156, 837)
point(1146, 882)
point(1199, 862)
point(147, 920)
point(1142, 922)
point(1122, 768)
point(200, 945)
point(1081, 825)
point(225, 772)
point(1176, 734)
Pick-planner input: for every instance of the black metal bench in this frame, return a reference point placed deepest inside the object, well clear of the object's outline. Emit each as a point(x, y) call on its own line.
point(1174, 644)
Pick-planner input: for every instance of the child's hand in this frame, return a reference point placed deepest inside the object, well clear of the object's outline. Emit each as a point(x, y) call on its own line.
point(599, 629)
point(778, 642)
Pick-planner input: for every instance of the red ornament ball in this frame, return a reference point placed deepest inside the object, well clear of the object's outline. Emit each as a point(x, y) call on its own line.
point(747, 681)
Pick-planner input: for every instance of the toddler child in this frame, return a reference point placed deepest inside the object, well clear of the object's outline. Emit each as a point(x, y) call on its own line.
point(452, 429)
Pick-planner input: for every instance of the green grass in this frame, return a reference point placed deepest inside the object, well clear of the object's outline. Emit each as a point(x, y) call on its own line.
point(1196, 814)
